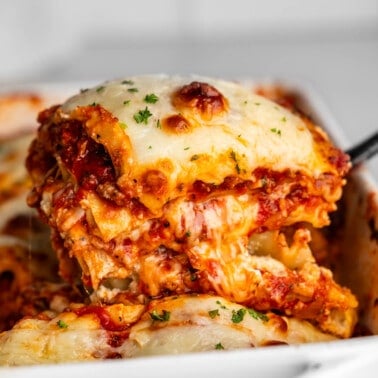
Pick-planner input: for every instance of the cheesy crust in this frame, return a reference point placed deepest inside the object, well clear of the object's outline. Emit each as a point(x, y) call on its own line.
point(171, 325)
point(243, 132)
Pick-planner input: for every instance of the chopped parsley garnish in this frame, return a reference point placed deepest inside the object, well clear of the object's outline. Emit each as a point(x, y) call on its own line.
point(151, 98)
point(187, 234)
point(100, 89)
point(283, 119)
point(163, 317)
point(128, 82)
point(264, 181)
point(194, 157)
point(83, 90)
point(258, 315)
point(186, 148)
point(62, 324)
point(126, 102)
point(238, 316)
point(142, 116)
point(219, 346)
point(257, 103)
point(94, 104)
point(234, 158)
point(132, 90)
point(213, 313)
point(158, 124)
point(276, 131)
point(222, 306)
point(193, 277)
point(150, 147)
point(233, 155)
point(122, 125)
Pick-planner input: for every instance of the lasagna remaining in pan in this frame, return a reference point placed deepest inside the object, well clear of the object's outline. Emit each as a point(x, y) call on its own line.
point(181, 212)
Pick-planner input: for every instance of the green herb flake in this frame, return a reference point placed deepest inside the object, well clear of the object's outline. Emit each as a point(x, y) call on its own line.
point(193, 277)
point(187, 234)
point(276, 131)
point(214, 313)
point(186, 148)
point(126, 102)
point(150, 147)
point(158, 124)
point(142, 116)
point(93, 104)
point(194, 157)
point(258, 315)
point(245, 102)
point(234, 158)
point(132, 90)
point(151, 98)
point(233, 155)
point(127, 82)
point(238, 316)
point(283, 119)
point(264, 181)
point(219, 346)
point(62, 324)
point(163, 317)
point(100, 89)
point(222, 306)
point(257, 103)
point(83, 90)
point(122, 125)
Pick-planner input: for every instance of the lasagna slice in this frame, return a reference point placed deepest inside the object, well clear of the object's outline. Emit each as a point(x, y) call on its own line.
point(157, 186)
point(188, 323)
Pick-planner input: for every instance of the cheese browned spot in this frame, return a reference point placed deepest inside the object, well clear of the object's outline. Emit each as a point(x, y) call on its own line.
point(154, 182)
point(176, 123)
point(202, 98)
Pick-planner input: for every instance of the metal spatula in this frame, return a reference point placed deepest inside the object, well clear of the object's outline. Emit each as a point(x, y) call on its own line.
point(364, 150)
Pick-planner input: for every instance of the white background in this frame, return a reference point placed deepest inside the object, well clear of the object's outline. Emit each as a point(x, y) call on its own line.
point(329, 44)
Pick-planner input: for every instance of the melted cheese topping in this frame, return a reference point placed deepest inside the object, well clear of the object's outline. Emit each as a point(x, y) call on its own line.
point(257, 130)
point(169, 326)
